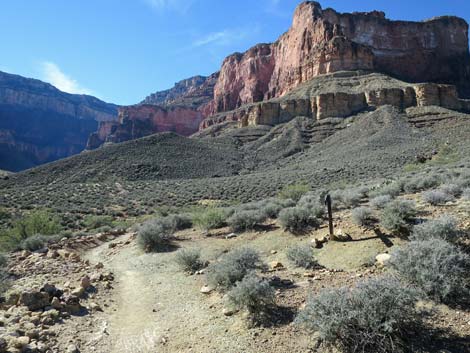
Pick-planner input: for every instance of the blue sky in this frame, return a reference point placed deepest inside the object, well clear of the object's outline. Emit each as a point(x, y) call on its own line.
point(123, 50)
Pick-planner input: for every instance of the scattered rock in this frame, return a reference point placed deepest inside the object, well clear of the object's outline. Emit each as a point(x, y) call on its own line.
point(72, 349)
point(276, 265)
point(85, 282)
point(95, 307)
point(273, 252)
point(229, 311)
point(230, 236)
point(383, 259)
point(34, 300)
point(206, 290)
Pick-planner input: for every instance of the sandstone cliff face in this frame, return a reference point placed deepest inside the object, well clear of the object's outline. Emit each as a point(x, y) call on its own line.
point(39, 123)
point(325, 41)
point(179, 109)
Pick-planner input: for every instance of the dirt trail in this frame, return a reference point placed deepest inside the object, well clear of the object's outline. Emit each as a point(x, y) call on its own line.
point(158, 309)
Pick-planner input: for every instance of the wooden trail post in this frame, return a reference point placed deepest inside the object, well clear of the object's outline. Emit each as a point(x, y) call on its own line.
point(330, 214)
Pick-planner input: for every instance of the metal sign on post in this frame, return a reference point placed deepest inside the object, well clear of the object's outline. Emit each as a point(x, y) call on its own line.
point(330, 214)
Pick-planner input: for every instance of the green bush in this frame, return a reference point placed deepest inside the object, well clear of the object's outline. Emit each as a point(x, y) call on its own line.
point(376, 315)
point(362, 216)
point(233, 267)
point(245, 220)
point(436, 197)
point(155, 235)
point(294, 192)
point(212, 218)
point(297, 219)
point(379, 202)
point(397, 215)
point(95, 222)
point(392, 190)
point(302, 256)
point(421, 183)
point(189, 260)
point(254, 295)
point(4, 283)
point(444, 227)
point(37, 222)
point(180, 221)
point(437, 267)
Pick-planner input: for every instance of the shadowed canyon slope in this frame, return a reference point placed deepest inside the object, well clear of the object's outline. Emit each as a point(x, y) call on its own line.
point(39, 123)
point(320, 41)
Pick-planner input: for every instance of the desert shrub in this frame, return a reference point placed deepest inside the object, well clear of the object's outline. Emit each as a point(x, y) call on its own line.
point(155, 234)
point(444, 227)
point(313, 203)
point(392, 189)
point(347, 198)
point(37, 222)
point(422, 182)
point(180, 221)
point(451, 189)
point(34, 242)
point(397, 215)
point(436, 197)
point(374, 316)
point(297, 219)
point(4, 283)
point(270, 208)
point(95, 222)
point(254, 295)
point(380, 202)
point(466, 194)
point(362, 216)
point(302, 256)
point(189, 260)
point(436, 266)
point(212, 218)
point(233, 267)
point(245, 220)
point(294, 192)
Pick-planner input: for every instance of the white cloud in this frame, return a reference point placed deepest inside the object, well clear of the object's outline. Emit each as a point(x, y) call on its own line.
point(54, 75)
point(225, 37)
point(181, 6)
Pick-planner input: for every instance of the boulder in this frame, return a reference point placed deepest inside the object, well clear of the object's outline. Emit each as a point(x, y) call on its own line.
point(34, 300)
point(383, 259)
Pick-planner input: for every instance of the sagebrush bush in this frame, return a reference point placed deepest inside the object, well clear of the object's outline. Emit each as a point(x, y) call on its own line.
point(376, 315)
point(362, 216)
point(380, 202)
point(294, 192)
point(439, 268)
point(245, 220)
point(436, 197)
point(189, 260)
point(466, 194)
point(421, 183)
point(297, 219)
point(270, 208)
point(155, 234)
point(302, 256)
point(451, 189)
point(347, 198)
point(4, 283)
point(397, 215)
point(180, 221)
point(212, 218)
point(392, 189)
point(233, 267)
point(34, 242)
point(254, 295)
point(444, 227)
point(313, 203)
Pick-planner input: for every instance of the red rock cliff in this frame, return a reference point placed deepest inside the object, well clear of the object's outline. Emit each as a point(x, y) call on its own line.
point(325, 41)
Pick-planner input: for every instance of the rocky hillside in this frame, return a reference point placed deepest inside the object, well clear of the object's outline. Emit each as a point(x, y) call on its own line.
point(40, 124)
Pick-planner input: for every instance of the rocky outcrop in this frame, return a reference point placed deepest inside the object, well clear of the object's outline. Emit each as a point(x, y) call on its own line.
point(325, 41)
point(39, 123)
point(179, 109)
point(143, 120)
point(341, 104)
